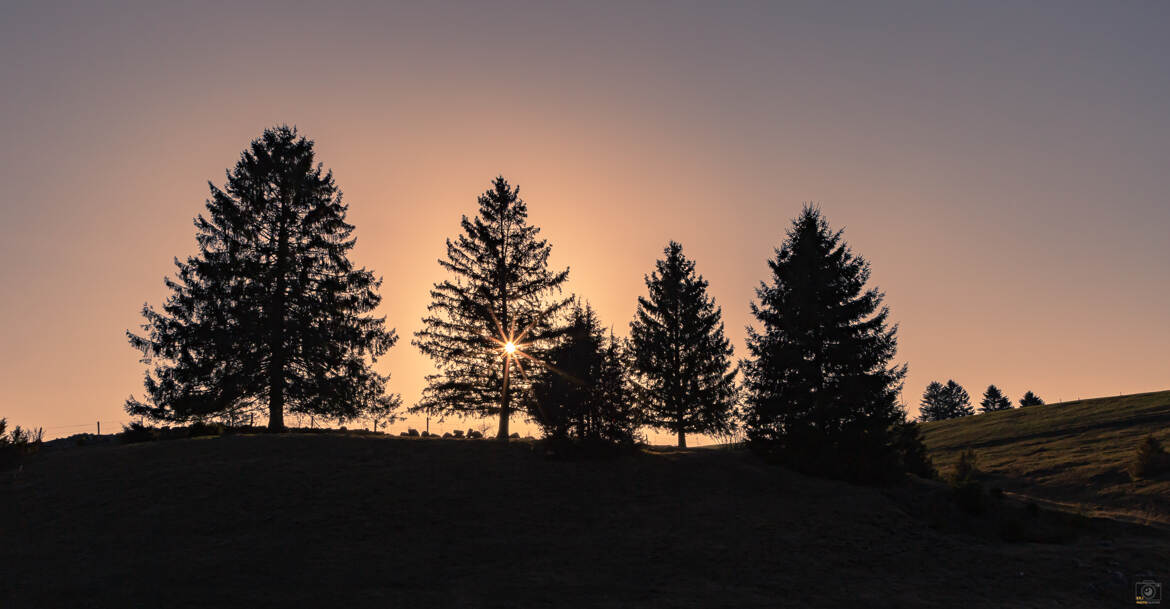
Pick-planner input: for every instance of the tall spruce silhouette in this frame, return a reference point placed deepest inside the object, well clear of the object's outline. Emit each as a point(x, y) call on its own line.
point(993, 400)
point(583, 392)
point(821, 386)
point(684, 379)
point(940, 402)
point(501, 289)
point(271, 309)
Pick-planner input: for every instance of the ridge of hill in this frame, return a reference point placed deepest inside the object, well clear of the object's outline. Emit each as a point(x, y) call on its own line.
point(1072, 454)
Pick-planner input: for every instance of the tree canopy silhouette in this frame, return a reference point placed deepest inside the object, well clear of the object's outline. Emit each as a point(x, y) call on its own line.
point(993, 400)
point(501, 292)
point(821, 386)
point(683, 374)
point(948, 401)
point(271, 308)
point(583, 392)
point(1031, 399)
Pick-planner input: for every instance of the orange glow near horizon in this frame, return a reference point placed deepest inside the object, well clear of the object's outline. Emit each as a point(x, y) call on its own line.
point(1008, 187)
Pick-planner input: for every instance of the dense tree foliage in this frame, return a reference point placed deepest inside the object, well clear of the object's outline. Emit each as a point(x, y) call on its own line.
point(270, 309)
point(500, 292)
point(1031, 399)
point(583, 391)
point(948, 401)
point(994, 399)
point(684, 379)
point(821, 386)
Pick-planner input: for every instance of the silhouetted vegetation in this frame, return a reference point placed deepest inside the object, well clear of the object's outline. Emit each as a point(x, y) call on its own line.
point(583, 391)
point(17, 442)
point(941, 402)
point(138, 432)
point(993, 400)
point(822, 389)
point(1149, 460)
point(1075, 454)
point(683, 376)
point(271, 308)
point(1031, 399)
point(968, 491)
point(908, 446)
point(501, 292)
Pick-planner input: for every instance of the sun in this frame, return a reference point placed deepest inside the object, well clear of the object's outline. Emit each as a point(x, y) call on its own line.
point(509, 347)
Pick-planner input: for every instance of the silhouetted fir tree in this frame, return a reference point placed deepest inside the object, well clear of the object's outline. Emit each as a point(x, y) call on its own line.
point(821, 386)
point(1031, 399)
point(564, 398)
point(618, 414)
point(582, 391)
point(993, 400)
point(683, 377)
point(500, 289)
point(940, 402)
point(271, 308)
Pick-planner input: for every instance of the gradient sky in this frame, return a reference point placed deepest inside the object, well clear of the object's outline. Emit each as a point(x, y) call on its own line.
point(1003, 166)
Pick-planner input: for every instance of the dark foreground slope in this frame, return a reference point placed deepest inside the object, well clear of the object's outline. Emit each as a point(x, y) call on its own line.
point(1073, 453)
point(335, 521)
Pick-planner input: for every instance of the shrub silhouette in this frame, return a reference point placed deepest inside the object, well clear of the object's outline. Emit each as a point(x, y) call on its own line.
point(199, 428)
point(965, 467)
point(907, 443)
point(17, 443)
point(137, 432)
point(967, 491)
point(1149, 460)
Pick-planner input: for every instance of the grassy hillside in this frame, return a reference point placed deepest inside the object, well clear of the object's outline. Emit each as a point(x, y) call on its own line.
point(1073, 453)
point(332, 520)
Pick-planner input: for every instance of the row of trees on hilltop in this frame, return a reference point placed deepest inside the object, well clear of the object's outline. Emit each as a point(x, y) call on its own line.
point(501, 332)
point(272, 313)
point(951, 401)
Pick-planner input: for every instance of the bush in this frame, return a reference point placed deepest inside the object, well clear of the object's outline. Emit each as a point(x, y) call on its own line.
point(458, 433)
point(1149, 460)
point(17, 443)
point(199, 428)
point(965, 468)
point(968, 492)
point(137, 432)
point(412, 432)
point(906, 439)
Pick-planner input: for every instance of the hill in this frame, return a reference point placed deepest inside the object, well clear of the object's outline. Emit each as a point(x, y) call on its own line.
point(351, 520)
point(1071, 453)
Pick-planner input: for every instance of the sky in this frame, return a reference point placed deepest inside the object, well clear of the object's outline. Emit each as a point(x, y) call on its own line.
point(1001, 165)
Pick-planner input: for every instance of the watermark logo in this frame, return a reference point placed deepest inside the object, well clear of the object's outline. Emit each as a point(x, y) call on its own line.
point(1148, 592)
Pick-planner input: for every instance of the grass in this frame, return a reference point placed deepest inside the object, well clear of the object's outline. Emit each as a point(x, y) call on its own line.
point(1074, 454)
point(363, 520)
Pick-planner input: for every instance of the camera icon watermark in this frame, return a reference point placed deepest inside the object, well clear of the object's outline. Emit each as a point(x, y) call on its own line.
point(1147, 592)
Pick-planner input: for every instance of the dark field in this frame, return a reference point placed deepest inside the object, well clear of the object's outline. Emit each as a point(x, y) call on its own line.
point(339, 521)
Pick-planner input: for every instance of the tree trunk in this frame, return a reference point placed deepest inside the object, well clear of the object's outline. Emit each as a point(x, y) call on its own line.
point(682, 438)
point(505, 412)
point(276, 340)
